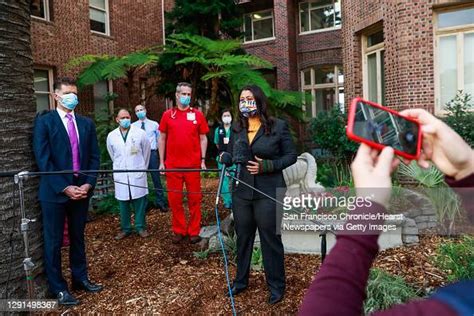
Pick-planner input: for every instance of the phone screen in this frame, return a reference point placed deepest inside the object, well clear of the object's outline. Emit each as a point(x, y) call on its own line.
point(385, 128)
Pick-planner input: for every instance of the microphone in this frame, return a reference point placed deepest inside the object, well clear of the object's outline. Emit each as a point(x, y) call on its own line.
point(242, 156)
point(226, 159)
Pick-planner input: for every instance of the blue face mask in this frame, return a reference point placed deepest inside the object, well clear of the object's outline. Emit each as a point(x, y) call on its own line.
point(141, 115)
point(69, 101)
point(124, 123)
point(184, 100)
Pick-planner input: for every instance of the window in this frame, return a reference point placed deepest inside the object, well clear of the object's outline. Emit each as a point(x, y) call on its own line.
point(454, 57)
point(258, 26)
point(40, 9)
point(43, 85)
point(326, 86)
point(320, 15)
point(102, 89)
point(374, 69)
point(99, 16)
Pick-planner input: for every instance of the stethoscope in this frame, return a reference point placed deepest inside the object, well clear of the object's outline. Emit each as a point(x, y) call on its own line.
point(190, 110)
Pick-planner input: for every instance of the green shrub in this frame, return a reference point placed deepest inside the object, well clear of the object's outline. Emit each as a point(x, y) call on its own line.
point(431, 183)
point(108, 205)
point(333, 173)
point(328, 130)
point(456, 258)
point(460, 116)
point(385, 290)
point(257, 259)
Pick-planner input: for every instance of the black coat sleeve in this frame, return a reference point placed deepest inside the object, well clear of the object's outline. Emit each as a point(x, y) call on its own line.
point(287, 149)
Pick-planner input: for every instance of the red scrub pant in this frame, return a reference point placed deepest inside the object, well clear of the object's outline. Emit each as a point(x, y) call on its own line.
point(175, 181)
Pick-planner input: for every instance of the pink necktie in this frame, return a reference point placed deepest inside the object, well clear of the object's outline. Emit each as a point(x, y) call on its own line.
point(71, 129)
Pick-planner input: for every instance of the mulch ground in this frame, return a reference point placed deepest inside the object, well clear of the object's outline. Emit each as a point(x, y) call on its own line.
point(154, 276)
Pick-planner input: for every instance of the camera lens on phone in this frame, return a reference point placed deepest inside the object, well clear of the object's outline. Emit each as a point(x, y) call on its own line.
point(409, 137)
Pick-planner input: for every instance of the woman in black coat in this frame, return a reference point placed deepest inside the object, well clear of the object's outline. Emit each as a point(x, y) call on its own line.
point(262, 146)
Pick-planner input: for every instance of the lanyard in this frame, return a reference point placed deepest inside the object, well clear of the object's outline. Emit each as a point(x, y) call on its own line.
point(124, 137)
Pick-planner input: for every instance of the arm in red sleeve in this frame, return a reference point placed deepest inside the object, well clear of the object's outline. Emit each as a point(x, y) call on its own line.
point(340, 286)
point(465, 189)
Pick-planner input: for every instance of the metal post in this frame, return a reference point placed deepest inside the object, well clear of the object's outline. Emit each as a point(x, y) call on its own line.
point(323, 245)
point(28, 264)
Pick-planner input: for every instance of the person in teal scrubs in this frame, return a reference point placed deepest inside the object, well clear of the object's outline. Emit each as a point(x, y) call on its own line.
point(221, 139)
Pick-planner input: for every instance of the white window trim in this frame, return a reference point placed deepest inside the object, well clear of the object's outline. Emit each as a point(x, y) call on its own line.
point(251, 24)
point(377, 49)
point(107, 19)
point(46, 12)
point(336, 85)
point(50, 85)
point(460, 32)
point(332, 28)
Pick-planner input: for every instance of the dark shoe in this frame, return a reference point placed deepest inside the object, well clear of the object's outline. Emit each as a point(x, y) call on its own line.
point(275, 298)
point(177, 238)
point(121, 235)
point(66, 298)
point(195, 239)
point(143, 234)
point(87, 286)
point(235, 290)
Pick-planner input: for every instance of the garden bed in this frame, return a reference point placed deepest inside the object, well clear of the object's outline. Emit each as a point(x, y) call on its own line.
point(154, 276)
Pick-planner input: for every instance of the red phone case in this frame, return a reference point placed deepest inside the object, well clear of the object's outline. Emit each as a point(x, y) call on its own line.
point(351, 135)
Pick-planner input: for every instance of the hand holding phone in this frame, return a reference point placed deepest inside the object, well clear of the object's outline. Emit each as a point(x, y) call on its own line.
point(377, 126)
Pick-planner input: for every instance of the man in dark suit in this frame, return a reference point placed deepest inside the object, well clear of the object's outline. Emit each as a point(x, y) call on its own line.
point(63, 140)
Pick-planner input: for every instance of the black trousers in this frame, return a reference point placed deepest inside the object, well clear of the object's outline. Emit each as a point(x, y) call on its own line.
point(54, 215)
point(261, 214)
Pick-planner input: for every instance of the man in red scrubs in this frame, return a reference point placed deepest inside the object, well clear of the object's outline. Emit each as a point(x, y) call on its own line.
point(183, 144)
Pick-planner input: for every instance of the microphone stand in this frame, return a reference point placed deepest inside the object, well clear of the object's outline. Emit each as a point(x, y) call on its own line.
point(28, 264)
point(219, 235)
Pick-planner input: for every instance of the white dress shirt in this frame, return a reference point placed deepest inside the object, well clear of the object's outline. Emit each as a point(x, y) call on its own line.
point(151, 129)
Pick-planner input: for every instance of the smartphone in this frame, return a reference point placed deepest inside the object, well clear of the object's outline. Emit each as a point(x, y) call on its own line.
point(378, 127)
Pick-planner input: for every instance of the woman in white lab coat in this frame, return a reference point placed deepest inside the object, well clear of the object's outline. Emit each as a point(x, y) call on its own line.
point(129, 149)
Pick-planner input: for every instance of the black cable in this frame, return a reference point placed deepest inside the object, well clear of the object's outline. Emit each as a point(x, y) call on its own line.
point(158, 190)
point(276, 201)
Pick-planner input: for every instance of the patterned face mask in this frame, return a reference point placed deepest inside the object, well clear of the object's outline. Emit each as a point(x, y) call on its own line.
point(248, 107)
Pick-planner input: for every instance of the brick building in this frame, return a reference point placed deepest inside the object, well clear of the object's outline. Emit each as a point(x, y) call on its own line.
point(408, 53)
point(303, 41)
point(64, 29)
point(396, 52)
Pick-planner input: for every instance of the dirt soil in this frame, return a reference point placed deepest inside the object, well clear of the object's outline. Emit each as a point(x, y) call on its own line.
point(154, 276)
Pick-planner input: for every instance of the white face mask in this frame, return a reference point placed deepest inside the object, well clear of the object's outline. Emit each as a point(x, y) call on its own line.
point(226, 119)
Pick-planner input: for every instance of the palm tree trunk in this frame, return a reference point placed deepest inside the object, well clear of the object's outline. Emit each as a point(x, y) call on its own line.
point(17, 108)
point(214, 108)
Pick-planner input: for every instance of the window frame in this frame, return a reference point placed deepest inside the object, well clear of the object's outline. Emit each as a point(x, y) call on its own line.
point(328, 29)
point(313, 86)
point(366, 51)
point(107, 17)
point(251, 23)
point(47, 16)
point(50, 85)
point(110, 90)
point(459, 31)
